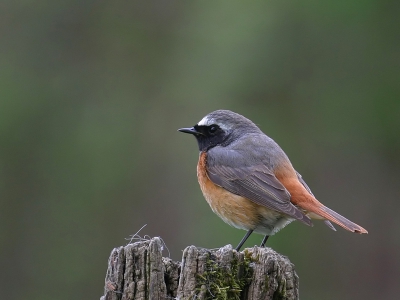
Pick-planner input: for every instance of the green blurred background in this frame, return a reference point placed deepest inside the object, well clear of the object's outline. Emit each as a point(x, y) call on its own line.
point(91, 96)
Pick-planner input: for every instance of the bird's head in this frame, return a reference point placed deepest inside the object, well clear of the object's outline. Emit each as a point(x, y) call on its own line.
point(220, 128)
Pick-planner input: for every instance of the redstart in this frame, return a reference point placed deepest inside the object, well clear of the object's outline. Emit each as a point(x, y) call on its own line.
point(250, 183)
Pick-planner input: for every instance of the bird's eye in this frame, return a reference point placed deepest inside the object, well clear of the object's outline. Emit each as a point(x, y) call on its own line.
point(212, 129)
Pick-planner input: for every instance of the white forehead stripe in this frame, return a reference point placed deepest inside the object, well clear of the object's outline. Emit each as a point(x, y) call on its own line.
point(205, 121)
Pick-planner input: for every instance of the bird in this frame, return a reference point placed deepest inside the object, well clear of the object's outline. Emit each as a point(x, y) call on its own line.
point(249, 181)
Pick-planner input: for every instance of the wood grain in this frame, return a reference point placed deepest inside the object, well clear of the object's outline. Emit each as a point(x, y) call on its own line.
point(138, 271)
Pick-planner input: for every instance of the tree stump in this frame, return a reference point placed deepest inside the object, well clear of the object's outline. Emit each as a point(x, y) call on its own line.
point(138, 271)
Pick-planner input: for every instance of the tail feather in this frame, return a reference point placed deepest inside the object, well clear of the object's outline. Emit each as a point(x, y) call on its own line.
point(340, 220)
point(302, 197)
point(317, 210)
point(329, 224)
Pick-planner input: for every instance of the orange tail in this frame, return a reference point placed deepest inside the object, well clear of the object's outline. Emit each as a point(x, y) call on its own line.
point(303, 198)
point(333, 216)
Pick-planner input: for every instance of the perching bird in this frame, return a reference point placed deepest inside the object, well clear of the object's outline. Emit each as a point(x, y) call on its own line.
point(249, 182)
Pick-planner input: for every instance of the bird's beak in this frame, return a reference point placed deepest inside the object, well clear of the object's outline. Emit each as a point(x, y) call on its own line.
point(190, 130)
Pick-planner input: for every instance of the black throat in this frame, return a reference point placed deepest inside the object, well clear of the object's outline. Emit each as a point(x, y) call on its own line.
point(207, 140)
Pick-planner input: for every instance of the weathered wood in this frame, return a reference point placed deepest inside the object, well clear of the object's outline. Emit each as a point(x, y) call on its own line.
point(138, 271)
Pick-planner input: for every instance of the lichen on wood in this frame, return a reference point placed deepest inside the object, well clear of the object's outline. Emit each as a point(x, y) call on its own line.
point(138, 271)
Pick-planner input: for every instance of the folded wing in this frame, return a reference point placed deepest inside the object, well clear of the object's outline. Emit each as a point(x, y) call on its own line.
point(254, 182)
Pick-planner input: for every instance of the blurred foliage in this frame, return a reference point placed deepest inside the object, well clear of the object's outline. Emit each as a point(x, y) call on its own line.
point(91, 95)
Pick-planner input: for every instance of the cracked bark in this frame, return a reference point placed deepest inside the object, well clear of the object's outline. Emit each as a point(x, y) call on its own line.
point(138, 271)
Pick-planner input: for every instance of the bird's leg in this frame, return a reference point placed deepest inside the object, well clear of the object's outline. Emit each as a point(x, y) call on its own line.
point(264, 240)
point(243, 240)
